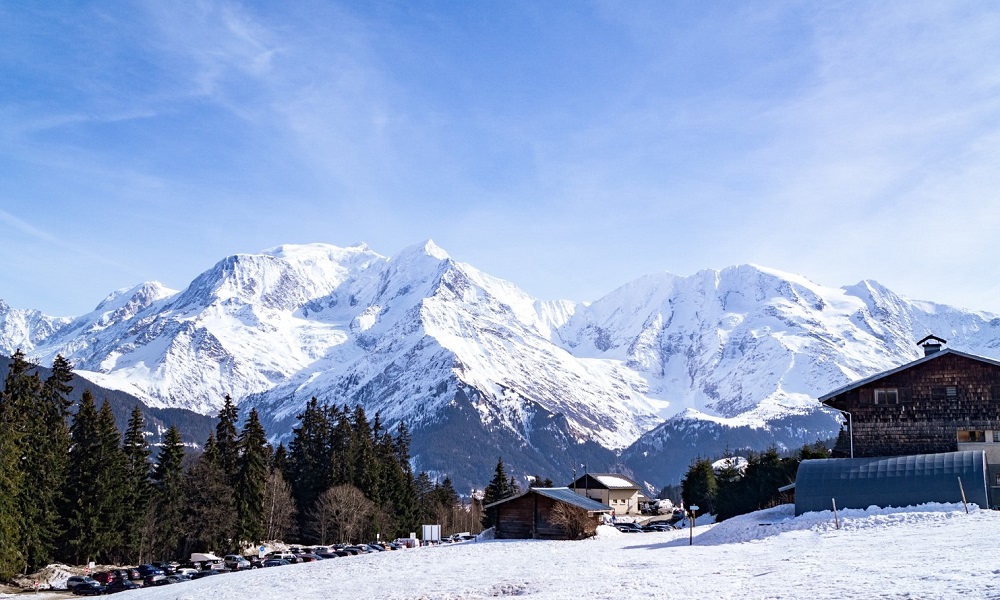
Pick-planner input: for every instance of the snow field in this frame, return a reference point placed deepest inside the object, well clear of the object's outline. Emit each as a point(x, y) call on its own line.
point(932, 551)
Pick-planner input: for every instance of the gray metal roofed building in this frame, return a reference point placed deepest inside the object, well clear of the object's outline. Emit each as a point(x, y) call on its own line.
point(533, 514)
point(891, 481)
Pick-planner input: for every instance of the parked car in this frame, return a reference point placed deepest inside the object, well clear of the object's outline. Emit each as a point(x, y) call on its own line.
point(85, 589)
point(177, 578)
point(276, 562)
point(120, 585)
point(291, 558)
point(308, 557)
point(235, 562)
point(76, 580)
point(148, 570)
point(628, 528)
point(105, 577)
point(326, 555)
point(206, 573)
point(154, 580)
point(166, 567)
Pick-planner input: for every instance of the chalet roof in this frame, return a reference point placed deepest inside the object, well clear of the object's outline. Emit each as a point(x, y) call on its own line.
point(908, 365)
point(561, 494)
point(611, 481)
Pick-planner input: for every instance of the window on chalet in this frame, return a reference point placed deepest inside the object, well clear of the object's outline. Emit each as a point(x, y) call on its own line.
point(996, 435)
point(887, 396)
point(966, 435)
point(944, 393)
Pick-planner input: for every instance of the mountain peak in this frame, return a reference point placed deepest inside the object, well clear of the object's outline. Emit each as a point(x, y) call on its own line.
point(428, 248)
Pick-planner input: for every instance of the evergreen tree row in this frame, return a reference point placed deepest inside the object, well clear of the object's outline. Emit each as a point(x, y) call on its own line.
point(730, 491)
point(352, 479)
point(74, 489)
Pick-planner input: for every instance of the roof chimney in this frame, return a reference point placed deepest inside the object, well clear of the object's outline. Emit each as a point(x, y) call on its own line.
point(931, 344)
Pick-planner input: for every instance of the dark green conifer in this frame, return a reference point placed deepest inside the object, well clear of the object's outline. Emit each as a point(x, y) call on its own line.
point(226, 439)
point(107, 479)
point(251, 480)
point(135, 485)
point(500, 487)
point(14, 404)
point(83, 493)
point(168, 482)
point(209, 511)
point(309, 464)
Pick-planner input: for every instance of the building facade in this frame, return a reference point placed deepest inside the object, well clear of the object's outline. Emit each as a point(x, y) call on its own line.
point(534, 514)
point(615, 490)
point(945, 401)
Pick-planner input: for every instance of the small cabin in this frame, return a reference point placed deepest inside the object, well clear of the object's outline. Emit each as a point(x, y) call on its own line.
point(542, 513)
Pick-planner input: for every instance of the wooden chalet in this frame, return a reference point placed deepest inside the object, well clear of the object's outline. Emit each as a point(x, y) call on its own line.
point(946, 401)
point(531, 515)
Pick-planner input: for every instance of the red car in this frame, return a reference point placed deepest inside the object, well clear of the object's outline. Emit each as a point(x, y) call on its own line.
point(106, 577)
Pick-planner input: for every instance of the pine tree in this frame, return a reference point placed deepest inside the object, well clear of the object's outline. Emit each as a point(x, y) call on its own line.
point(226, 439)
point(168, 482)
point(107, 479)
point(14, 404)
point(209, 511)
point(279, 460)
point(44, 463)
point(135, 484)
point(500, 487)
point(251, 480)
point(366, 475)
point(81, 494)
point(424, 490)
point(309, 465)
point(699, 486)
point(341, 447)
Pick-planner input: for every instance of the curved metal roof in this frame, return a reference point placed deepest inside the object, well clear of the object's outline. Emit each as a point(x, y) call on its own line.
point(891, 481)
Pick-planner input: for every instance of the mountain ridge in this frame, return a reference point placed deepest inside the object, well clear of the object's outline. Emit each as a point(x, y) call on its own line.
point(421, 337)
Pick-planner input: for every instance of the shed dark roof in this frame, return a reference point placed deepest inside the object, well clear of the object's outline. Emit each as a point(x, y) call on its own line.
point(908, 365)
point(562, 494)
point(891, 481)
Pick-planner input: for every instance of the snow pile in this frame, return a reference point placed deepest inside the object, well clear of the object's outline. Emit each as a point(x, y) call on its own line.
point(781, 519)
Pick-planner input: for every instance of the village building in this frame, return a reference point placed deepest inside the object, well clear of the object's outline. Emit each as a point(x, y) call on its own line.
point(944, 402)
point(616, 490)
point(544, 513)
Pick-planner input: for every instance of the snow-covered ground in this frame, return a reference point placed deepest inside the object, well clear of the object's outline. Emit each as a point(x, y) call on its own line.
point(933, 551)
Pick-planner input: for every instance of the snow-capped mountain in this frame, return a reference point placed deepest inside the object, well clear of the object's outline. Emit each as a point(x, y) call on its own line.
point(654, 371)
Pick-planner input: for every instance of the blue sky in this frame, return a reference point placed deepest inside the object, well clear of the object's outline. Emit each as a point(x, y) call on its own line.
point(568, 147)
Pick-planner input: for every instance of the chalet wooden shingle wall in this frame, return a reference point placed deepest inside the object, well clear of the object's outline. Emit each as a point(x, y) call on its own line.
point(531, 515)
point(935, 398)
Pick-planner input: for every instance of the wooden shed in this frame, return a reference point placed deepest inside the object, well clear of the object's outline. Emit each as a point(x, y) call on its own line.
point(541, 513)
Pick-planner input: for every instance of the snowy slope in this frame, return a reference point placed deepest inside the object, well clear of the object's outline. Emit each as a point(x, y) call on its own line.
point(663, 366)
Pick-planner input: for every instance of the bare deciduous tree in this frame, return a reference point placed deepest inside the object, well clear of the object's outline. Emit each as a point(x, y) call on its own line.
point(279, 507)
point(342, 510)
point(573, 520)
